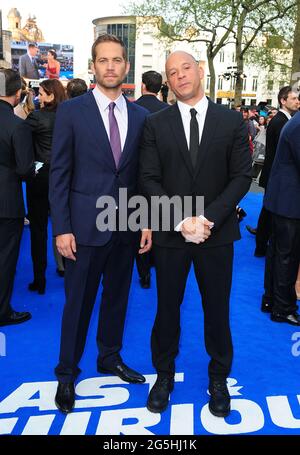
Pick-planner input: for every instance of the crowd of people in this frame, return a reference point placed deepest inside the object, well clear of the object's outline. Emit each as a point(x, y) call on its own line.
point(84, 143)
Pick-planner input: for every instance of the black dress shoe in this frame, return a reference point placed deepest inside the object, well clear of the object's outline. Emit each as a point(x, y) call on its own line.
point(65, 397)
point(124, 372)
point(259, 253)
point(251, 229)
point(145, 281)
point(293, 319)
point(240, 214)
point(39, 286)
point(219, 403)
point(15, 318)
point(60, 273)
point(158, 398)
point(266, 307)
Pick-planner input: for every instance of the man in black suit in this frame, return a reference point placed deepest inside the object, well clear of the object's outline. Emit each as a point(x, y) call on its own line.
point(151, 85)
point(282, 200)
point(194, 148)
point(16, 163)
point(288, 103)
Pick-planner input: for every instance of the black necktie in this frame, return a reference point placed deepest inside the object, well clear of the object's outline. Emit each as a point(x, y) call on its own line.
point(194, 136)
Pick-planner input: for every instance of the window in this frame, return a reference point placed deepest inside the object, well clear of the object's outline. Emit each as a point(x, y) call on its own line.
point(233, 57)
point(207, 82)
point(253, 102)
point(270, 85)
point(220, 83)
point(219, 100)
point(222, 56)
point(232, 83)
point(254, 84)
point(245, 84)
point(269, 101)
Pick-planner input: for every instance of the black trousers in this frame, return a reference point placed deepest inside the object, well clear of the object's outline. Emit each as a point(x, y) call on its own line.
point(143, 263)
point(10, 237)
point(213, 270)
point(113, 262)
point(263, 230)
point(282, 263)
point(38, 212)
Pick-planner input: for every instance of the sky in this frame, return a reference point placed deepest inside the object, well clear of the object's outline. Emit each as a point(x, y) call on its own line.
point(65, 21)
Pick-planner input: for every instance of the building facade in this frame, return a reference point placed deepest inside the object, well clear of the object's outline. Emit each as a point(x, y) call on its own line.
point(147, 51)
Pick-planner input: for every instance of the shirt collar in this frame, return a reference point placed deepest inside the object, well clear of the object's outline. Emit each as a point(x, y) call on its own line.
point(31, 58)
point(103, 101)
point(286, 113)
point(200, 107)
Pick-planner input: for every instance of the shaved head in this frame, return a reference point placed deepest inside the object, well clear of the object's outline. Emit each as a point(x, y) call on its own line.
point(184, 77)
point(179, 54)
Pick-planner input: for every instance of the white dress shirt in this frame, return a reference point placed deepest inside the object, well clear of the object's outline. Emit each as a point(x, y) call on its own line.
point(184, 109)
point(120, 112)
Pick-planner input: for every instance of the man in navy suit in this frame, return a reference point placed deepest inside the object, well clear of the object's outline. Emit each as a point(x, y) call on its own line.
point(95, 153)
point(282, 199)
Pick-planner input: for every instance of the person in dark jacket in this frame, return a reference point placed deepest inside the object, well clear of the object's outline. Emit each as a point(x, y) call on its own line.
point(282, 200)
point(16, 163)
point(41, 122)
point(288, 103)
point(151, 85)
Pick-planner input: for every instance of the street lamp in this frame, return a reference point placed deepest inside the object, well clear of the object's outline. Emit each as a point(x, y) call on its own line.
point(232, 74)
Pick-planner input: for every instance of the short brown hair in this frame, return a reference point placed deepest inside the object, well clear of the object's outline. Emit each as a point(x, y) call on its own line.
point(106, 38)
point(55, 87)
point(284, 93)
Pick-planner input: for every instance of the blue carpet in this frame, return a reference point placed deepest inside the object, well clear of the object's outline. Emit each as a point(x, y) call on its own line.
point(264, 381)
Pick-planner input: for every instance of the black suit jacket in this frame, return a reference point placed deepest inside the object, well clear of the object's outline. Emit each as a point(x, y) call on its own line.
point(273, 132)
point(41, 123)
point(16, 161)
point(151, 103)
point(283, 191)
point(222, 173)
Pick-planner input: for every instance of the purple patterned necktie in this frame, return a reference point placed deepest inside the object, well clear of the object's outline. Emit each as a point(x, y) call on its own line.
point(114, 134)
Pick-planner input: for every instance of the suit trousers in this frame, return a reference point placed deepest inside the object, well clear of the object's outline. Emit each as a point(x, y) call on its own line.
point(10, 237)
point(282, 263)
point(263, 231)
point(213, 271)
point(38, 212)
point(143, 264)
point(113, 263)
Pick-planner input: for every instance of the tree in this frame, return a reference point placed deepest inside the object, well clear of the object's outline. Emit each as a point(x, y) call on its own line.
point(254, 18)
point(207, 21)
point(296, 49)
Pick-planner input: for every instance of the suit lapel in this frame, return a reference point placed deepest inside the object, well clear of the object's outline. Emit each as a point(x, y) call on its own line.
point(131, 112)
point(179, 135)
point(96, 125)
point(208, 133)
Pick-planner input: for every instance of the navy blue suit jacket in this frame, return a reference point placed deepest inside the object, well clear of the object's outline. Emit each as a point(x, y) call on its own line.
point(283, 190)
point(83, 168)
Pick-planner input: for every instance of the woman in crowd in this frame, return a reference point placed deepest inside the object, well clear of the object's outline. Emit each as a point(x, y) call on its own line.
point(53, 65)
point(25, 105)
point(51, 93)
